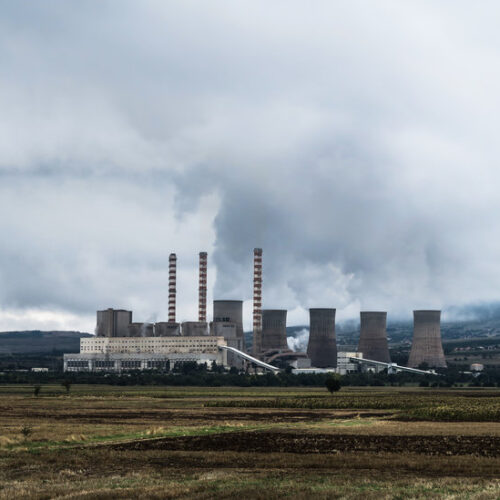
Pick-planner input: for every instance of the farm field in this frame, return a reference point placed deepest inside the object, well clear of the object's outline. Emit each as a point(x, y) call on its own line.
point(157, 442)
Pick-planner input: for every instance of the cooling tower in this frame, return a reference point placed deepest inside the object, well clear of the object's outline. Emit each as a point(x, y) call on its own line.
point(230, 311)
point(166, 329)
point(373, 336)
point(322, 346)
point(274, 329)
point(426, 345)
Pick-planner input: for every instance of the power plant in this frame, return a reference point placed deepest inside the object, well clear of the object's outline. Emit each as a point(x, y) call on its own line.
point(121, 344)
point(373, 336)
point(322, 346)
point(427, 346)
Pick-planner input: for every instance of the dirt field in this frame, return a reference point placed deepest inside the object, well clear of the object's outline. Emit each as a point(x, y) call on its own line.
point(107, 442)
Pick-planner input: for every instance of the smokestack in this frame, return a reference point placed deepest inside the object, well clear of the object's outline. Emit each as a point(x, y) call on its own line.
point(257, 301)
point(322, 346)
point(172, 283)
point(373, 336)
point(274, 330)
point(202, 289)
point(426, 346)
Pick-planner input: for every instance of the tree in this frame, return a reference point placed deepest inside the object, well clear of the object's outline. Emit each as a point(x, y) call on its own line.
point(67, 385)
point(333, 384)
point(37, 389)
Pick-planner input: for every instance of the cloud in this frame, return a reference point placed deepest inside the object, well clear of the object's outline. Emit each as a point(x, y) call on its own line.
point(355, 143)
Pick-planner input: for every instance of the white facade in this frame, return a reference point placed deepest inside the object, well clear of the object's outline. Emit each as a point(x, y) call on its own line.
point(345, 365)
point(143, 353)
point(150, 345)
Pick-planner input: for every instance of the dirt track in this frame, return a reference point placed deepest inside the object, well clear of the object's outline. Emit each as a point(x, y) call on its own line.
point(284, 442)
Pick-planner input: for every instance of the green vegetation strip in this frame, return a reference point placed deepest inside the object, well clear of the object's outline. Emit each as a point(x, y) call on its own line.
point(160, 433)
point(415, 407)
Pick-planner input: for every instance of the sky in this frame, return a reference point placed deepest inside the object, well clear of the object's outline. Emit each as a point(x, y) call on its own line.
point(356, 142)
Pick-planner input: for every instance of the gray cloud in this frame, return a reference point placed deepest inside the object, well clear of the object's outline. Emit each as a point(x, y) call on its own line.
point(356, 143)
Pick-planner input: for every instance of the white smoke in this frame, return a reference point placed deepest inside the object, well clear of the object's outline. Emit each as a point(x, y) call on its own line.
point(299, 342)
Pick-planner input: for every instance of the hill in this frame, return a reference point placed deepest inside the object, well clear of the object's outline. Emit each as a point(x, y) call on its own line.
point(36, 341)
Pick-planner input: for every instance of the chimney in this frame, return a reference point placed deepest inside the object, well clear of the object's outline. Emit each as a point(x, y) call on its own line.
point(202, 289)
point(257, 301)
point(172, 278)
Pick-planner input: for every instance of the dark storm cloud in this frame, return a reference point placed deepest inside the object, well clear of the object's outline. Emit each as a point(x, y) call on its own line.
point(355, 142)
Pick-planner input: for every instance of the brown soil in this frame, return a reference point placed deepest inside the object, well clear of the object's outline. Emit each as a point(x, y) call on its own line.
point(284, 442)
point(205, 415)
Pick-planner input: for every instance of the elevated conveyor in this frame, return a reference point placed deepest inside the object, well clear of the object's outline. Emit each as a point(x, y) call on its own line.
point(392, 367)
point(247, 357)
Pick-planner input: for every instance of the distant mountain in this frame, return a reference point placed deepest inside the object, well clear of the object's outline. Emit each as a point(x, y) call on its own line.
point(36, 341)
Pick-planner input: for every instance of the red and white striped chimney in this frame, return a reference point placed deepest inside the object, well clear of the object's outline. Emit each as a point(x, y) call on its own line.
point(172, 284)
point(257, 301)
point(202, 288)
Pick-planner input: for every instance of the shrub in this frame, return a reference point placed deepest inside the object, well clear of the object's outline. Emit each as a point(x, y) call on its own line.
point(332, 383)
point(26, 430)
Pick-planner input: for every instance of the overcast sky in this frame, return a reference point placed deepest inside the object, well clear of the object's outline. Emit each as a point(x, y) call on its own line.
point(356, 142)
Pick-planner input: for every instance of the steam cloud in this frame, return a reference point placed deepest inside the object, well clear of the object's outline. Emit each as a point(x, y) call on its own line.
point(298, 343)
point(359, 151)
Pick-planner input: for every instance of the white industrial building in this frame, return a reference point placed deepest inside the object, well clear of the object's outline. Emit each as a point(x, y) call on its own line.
point(144, 353)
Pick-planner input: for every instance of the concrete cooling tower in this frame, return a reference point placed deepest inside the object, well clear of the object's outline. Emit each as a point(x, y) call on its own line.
point(373, 336)
point(322, 347)
point(426, 345)
point(274, 329)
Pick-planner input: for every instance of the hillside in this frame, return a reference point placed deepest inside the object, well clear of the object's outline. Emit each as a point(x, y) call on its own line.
point(36, 341)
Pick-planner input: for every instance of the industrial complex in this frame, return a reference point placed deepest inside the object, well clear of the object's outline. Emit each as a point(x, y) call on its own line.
point(121, 344)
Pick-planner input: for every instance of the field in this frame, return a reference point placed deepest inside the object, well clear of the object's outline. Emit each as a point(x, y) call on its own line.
point(156, 442)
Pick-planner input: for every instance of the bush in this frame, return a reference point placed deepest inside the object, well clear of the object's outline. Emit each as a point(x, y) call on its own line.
point(333, 384)
point(26, 431)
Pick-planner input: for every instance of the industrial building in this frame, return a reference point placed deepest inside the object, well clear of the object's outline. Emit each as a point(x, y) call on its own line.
point(230, 311)
point(194, 329)
point(167, 329)
point(322, 346)
point(228, 323)
point(141, 330)
point(426, 345)
point(113, 323)
point(373, 336)
point(143, 353)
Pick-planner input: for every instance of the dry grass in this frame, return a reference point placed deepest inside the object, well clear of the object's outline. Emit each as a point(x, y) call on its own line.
point(60, 457)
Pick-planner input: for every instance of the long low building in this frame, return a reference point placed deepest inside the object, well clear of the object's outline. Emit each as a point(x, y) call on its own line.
point(144, 353)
